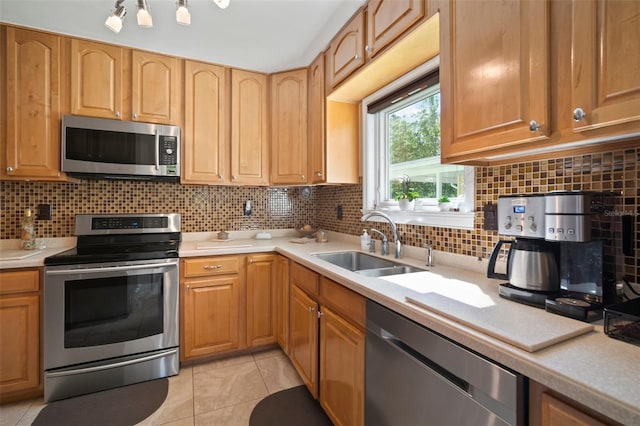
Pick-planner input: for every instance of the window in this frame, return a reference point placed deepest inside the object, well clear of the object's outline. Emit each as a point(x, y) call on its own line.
point(402, 157)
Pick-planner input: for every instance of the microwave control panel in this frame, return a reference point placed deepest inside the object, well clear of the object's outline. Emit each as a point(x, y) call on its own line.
point(168, 150)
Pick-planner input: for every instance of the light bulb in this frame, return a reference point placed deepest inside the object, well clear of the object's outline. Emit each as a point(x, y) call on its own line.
point(114, 23)
point(222, 3)
point(182, 13)
point(144, 18)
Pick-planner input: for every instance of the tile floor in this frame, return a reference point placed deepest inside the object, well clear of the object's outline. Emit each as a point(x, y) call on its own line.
point(220, 393)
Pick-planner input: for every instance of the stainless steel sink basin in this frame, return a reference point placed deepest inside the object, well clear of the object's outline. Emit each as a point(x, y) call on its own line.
point(365, 264)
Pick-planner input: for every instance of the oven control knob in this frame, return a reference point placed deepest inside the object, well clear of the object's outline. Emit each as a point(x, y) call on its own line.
point(507, 225)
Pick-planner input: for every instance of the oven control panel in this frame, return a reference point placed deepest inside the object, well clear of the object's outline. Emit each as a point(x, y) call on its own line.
point(128, 222)
point(142, 223)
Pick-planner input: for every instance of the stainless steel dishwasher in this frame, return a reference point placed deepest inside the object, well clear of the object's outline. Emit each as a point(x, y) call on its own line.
point(414, 376)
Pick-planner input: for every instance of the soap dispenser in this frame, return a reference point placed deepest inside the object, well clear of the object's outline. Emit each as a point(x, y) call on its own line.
point(365, 240)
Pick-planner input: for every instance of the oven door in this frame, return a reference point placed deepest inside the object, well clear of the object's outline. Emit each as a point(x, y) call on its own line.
point(99, 311)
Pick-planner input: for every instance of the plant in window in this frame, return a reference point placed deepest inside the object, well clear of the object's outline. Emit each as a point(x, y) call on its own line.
point(405, 191)
point(443, 199)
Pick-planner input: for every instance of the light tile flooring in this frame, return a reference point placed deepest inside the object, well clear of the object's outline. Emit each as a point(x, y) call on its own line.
point(220, 393)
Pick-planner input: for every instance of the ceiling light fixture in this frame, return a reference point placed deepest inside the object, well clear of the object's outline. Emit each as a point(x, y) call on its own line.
point(222, 3)
point(144, 17)
point(114, 21)
point(182, 13)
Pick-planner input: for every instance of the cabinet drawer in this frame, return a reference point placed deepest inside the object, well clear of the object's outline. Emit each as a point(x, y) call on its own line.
point(211, 266)
point(304, 278)
point(19, 281)
point(348, 303)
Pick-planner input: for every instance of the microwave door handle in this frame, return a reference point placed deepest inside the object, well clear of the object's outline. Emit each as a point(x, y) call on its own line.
point(157, 144)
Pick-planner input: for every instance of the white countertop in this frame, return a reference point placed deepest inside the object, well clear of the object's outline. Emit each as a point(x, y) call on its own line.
point(591, 368)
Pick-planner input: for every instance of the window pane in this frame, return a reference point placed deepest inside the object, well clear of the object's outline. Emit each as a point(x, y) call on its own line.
point(413, 135)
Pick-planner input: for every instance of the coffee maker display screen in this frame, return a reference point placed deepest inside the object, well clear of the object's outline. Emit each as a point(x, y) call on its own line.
point(518, 209)
point(581, 266)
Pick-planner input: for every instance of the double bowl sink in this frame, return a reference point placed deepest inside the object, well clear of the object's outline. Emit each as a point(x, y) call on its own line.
point(365, 264)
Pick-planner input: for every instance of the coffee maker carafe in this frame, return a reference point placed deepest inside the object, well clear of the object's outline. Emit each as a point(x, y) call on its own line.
point(532, 262)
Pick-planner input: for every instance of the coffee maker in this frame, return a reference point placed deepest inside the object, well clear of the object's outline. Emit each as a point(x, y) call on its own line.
point(567, 255)
point(532, 262)
point(589, 237)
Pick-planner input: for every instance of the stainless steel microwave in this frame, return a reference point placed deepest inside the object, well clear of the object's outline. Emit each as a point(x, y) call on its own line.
point(97, 148)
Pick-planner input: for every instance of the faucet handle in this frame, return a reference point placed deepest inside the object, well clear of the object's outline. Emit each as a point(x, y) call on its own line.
point(429, 254)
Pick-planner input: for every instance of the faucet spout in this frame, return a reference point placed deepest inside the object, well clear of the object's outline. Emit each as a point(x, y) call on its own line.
point(394, 229)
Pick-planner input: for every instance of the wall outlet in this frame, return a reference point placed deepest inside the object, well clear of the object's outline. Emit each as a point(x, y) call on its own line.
point(44, 212)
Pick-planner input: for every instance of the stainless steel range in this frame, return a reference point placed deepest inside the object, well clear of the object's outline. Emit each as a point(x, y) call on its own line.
point(111, 305)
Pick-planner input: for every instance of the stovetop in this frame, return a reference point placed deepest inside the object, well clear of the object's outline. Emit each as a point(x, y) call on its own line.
point(122, 237)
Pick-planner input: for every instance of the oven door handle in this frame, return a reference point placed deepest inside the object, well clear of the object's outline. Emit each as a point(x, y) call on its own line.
point(114, 365)
point(110, 268)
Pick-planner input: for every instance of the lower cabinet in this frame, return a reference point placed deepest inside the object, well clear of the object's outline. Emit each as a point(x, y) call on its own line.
point(326, 343)
point(547, 408)
point(261, 299)
point(20, 363)
point(210, 306)
point(282, 302)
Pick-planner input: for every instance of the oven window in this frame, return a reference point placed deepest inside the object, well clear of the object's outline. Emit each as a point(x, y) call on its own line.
point(111, 310)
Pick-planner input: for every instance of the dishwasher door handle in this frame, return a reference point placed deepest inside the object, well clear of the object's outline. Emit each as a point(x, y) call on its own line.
point(435, 368)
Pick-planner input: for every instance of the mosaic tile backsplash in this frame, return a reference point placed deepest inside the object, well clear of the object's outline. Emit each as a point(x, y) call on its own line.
point(212, 208)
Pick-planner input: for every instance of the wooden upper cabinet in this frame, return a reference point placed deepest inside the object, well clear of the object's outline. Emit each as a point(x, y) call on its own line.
point(317, 158)
point(388, 19)
point(346, 51)
point(249, 132)
point(289, 127)
point(605, 46)
point(96, 79)
point(34, 82)
point(205, 131)
point(493, 75)
point(155, 91)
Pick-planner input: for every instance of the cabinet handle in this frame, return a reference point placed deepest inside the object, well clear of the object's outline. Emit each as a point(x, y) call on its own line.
point(303, 178)
point(578, 115)
point(9, 169)
point(220, 176)
point(320, 314)
point(118, 114)
point(319, 174)
point(251, 261)
point(311, 309)
point(208, 267)
point(534, 126)
point(356, 57)
point(234, 177)
point(368, 48)
point(187, 287)
point(135, 116)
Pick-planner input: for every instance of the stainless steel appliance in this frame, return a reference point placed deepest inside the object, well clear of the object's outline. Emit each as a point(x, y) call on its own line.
point(97, 148)
point(532, 265)
point(111, 305)
point(590, 240)
point(414, 376)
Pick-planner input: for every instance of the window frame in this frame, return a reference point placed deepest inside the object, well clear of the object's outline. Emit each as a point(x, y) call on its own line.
point(372, 180)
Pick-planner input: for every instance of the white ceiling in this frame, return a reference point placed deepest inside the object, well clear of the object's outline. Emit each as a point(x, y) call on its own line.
point(258, 35)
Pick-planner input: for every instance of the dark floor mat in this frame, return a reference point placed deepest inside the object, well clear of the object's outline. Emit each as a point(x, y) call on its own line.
point(294, 406)
point(126, 405)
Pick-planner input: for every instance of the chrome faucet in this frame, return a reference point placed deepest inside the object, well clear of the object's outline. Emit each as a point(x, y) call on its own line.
point(394, 229)
point(429, 254)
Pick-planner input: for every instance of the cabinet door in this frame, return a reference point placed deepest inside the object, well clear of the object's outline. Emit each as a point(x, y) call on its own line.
point(205, 132)
point(303, 337)
point(20, 343)
point(341, 369)
point(346, 51)
point(493, 74)
point(155, 94)
point(558, 413)
point(289, 127)
point(96, 79)
point(33, 108)
point(249, 134)
point(605, 65)
point(389, 19)
point(317, 158)
point(282, 302)
point(261, 299)
point(210, 315)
